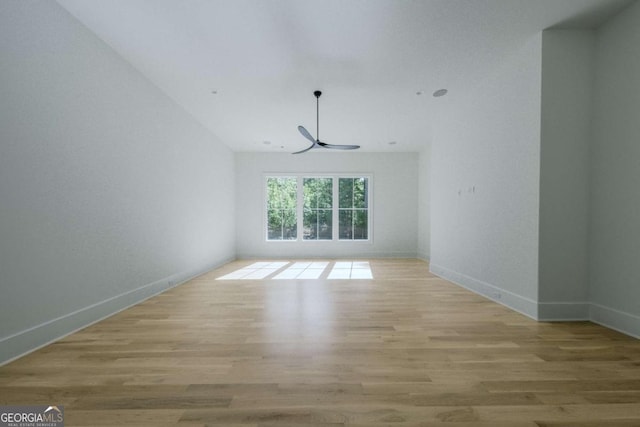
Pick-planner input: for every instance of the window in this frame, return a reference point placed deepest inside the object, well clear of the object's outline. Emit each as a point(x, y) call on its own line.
point(317, 210)
point(282, 197)
point(354, 209)
point(307, 208)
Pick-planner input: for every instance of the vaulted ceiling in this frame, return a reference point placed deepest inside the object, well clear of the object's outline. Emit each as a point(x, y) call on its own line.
point(247, 69)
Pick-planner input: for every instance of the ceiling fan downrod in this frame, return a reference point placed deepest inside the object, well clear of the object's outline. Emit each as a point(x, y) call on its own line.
point(317, 94)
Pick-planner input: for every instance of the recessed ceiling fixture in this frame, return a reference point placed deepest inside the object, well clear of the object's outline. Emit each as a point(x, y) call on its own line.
point(315, 143)
point(440, 92)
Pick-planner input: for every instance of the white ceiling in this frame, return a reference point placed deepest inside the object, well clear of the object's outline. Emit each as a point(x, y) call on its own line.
point(369, 57)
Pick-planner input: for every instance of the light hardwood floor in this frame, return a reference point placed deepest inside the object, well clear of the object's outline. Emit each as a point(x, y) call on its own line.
point(403, 349)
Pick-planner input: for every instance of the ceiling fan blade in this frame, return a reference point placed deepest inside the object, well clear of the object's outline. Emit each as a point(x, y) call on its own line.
point(338, 147)
point(306, 134)
point(306, 149)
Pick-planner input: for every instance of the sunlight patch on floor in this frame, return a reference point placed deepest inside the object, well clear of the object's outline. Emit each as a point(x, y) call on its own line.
point(300, 270)
point(255, 271)
point(351, 270)
point(304, 270)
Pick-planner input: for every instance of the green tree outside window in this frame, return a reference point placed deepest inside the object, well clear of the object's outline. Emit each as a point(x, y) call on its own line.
point(353, 214)
point(318, 208)
point(282, 195)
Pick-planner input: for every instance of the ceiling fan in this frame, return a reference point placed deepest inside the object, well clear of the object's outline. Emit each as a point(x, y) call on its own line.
point(316, 143)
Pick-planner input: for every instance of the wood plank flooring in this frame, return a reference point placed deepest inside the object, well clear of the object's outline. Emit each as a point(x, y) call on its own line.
point(402, 349)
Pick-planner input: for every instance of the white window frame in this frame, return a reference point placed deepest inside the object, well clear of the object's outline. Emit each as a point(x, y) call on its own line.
point(335, 210)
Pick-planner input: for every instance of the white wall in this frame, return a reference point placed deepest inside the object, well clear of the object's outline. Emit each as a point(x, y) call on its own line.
point(615, 175)
point(395, 207)
point(485, 184)
point(424, 203)
point(108, 191)
point(567, 81)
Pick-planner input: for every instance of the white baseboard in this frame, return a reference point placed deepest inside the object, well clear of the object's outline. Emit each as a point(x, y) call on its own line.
point(423, 256)
point(21, 343)
point(611, 318)
point(563, 311)
point(29, 340)
point(626, 323)
point(515, 302)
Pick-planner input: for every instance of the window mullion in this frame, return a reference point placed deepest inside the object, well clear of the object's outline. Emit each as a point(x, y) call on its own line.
point(354, 217)
point(299, 208)
point(335, 208)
